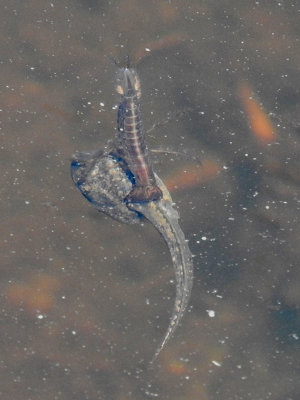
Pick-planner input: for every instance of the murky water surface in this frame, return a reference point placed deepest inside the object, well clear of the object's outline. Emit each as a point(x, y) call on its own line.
point(85, 300)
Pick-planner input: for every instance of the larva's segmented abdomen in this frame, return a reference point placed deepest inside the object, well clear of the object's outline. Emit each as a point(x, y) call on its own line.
point(131, 140)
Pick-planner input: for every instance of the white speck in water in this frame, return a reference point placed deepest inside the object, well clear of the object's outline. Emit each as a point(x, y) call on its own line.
point(211, 313)
point(216, 363)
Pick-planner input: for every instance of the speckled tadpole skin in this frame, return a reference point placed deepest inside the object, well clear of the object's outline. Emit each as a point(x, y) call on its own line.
point(109, 179)
point(103, 181)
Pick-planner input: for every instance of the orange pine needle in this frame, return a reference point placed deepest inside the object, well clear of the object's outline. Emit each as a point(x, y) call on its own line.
point(260, 124)
point(177, 368)
point(192, 175)
point(37, 294)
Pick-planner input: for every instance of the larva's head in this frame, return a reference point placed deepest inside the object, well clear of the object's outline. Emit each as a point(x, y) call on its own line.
point(128, 83)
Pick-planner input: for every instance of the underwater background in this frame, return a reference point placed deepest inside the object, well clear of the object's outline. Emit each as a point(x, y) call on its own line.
point(85, 300)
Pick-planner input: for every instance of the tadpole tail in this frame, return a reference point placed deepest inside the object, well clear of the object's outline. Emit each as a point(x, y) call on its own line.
point(165, 218)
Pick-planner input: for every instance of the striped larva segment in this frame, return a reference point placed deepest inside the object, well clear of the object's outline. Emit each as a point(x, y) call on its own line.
point(131, 143)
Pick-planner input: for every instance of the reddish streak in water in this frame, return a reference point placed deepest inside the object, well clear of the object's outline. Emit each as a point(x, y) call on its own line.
point(260, 124)
point(192, 175)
